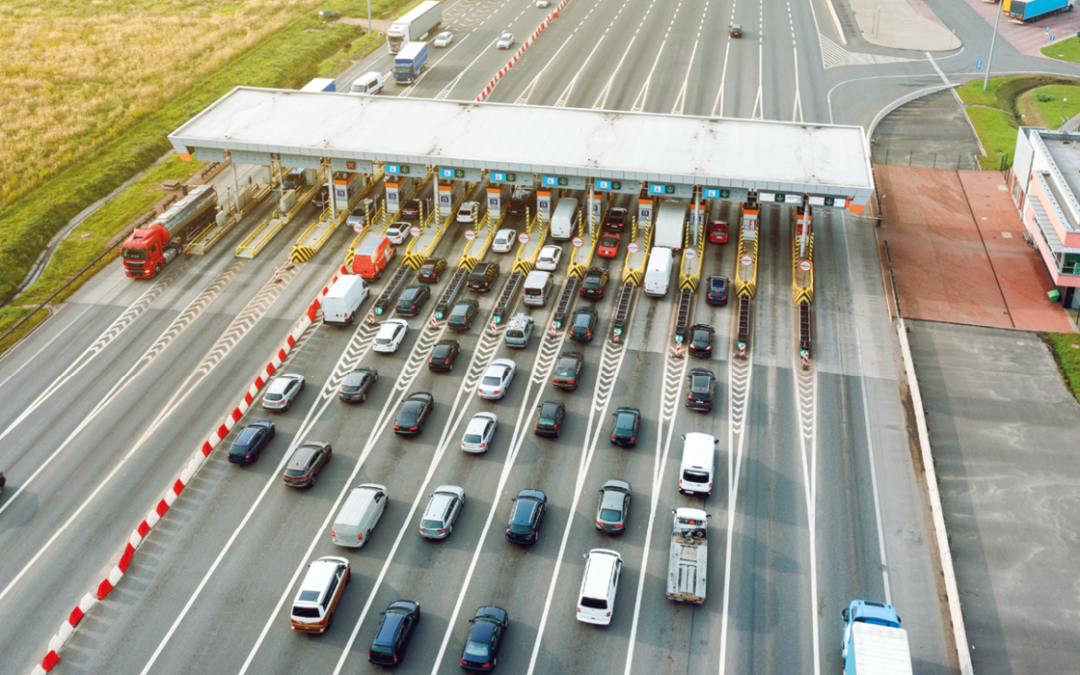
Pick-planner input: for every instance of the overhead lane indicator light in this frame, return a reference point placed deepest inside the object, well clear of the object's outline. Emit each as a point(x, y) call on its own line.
point(626, 187)
point(567, 182)
point(451, 173)
point(671, 190)
point(418, 170)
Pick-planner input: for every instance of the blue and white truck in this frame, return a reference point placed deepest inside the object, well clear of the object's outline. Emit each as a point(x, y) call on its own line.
point(874, 643)
point(1033, 10)
point(410, 62)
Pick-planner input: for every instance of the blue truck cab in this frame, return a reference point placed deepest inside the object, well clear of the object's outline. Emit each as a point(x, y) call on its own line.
point(410, 62)
point(874, 643)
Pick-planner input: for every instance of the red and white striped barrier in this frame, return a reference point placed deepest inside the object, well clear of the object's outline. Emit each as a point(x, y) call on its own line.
point(138, 536)
point(521, 50)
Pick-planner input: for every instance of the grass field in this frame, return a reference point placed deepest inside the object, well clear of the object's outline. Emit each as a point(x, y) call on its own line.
point(1066, 348)
point(1064, 102)
point(1064, 50)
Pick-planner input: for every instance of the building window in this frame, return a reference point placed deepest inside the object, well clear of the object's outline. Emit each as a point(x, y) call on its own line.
point(1071, 264)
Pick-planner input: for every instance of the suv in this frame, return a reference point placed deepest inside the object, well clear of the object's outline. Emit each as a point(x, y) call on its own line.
point(463, 314)
point(306, 462)
point(718, 290)
point(431, 270)
point(518, 331)
point(319, 594)
point(527, 517)
point(441, 512)
point(443, 356)
point(412, 299)
point(483, 276)
point(592, 286)
point(616, 219)
point(700, 384)
point(295, 179)
point(567, 370)
point(549, 415)
point(701, 340)
point(583, 324)
point(397, 626)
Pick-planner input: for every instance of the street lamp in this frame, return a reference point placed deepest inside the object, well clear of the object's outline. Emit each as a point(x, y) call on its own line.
point(990, 59)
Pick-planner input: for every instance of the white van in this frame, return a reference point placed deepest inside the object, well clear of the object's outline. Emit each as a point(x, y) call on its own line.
point(340, 304)
point(658, 272)
point(537, 288)
point(359, 515)
point(596, 600)
point(562, 222)
point(696, 471)
point(368, 83)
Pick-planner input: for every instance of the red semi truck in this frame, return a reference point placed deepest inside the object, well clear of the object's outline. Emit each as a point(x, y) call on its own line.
point(147, 251)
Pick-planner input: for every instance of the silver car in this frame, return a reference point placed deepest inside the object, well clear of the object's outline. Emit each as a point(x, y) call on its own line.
point(441, 512)
point(478, 434)
point(282, 392)
point(497, 379)
point(444, 39)
point(506, 41)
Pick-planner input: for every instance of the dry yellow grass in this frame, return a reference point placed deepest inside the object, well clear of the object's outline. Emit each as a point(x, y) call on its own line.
point(77, 73)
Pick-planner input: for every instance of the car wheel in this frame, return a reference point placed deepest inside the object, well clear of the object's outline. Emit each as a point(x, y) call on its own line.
point(378, 275)
point(311, 483)
point(363, 397)
point(329, 621)
point(451, 369)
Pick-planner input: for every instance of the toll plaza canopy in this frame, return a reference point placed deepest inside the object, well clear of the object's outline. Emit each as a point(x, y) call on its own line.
point(782, 157)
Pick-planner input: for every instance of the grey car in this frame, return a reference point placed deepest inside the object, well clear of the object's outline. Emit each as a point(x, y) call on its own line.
point(355, 386)
point(478, 434)
point(441, 512)
point(614, 507)
point(306, 462)
point(282, 391)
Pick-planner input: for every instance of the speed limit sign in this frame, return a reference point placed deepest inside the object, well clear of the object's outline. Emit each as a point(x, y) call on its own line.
point(578, 242)
point(633, 247)
point(414, 230)
point(690, 254)
point(470, 235)
point(523, 237)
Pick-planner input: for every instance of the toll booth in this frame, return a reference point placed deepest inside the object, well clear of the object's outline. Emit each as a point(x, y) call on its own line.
point(347, 187)
point(543, 205)
point(598, 203)
point(698, 212)
point(497, 196)
point(397, 191)
point(449, 195)
point(644, 214)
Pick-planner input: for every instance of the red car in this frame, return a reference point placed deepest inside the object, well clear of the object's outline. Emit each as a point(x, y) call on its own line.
point(609, 245)
point(718, 232)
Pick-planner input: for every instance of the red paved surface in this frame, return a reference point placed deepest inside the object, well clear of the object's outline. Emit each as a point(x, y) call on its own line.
point(1029, 38)
point(951, 256)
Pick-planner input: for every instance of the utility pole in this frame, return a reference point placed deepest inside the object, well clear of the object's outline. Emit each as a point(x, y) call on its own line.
point(990, 59)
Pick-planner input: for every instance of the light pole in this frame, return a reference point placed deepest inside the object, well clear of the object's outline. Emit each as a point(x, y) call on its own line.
point(369, 16)
point(990, 59)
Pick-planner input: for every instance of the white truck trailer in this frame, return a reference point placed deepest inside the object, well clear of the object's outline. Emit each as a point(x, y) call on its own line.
point(422, 21)
point(689, 556)
point(670, 228)
point(874, 642)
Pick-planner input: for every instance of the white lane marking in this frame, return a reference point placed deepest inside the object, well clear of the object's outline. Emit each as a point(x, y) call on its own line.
point(448, 88)
point(718, 105)
point(639, 102)
point(806, 406)
point(759, 105)
point(409, 89)
point(565, 96)
point(601, 99)
point(680, 100)
point(797, 114)
point(27, 361)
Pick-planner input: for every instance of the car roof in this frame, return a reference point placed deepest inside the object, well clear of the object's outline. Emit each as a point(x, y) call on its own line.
point(420, 396)
point(302, 455)
point(617, 484)
point(612, 499)
point(479, 421)
point(453, 489)
point(529, 493)
point(506, 363)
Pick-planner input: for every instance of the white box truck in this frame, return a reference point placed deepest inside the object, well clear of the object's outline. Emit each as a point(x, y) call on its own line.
point(670, 228)
point(874, 643)
point(423, 20)
point(689, 556)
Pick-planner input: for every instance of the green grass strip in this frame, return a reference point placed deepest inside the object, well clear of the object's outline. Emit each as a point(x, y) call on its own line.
point(1066, 350)
point(1064, 50)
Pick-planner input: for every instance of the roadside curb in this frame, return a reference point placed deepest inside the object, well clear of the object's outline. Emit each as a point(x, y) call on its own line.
point(836, 22)
point(138, 536)
point(521, 50)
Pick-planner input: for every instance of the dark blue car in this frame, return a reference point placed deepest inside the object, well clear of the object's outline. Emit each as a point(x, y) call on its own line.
point(482, 647)
point(397, 626)
point(250, 442)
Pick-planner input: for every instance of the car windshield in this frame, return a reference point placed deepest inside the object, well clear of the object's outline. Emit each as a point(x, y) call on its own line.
point(594, 603)
point(474, 648)
point(381, 341)
point(718, 284)
point(608, 241)
point(271, 396)
point(700, 384)
point(701, 336)
point(382, 650)
point(306, 612)
point(610, 515)
point(431, 524)
point(473, 438)
point(695, 476)
point(625, 421)
point(488, 379)
point(565, 371)
point(295, 473)
point(441, 352)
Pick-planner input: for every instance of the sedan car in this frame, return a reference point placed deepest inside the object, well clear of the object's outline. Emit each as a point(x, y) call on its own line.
point(718, 290)
point(594, 282)
point(504, 241)
point(469, 212)
point(506, 41)
point(462, 315)
point(567, 370)
point(718, 233)
point(397, 626)
point(627, 421)
point(549, 257)
point(701, 340)
point(412, 208)
point(306, 462)
point(583, 324)
point(414, 411)
point(735, 30)
point(355, 386)
point(250, 442)
point(543, 4)
point(397, 233)
point(526, 517)
point(482, 647)
point(478, 434)
point(431, 270)
point(497, 379)
point(616, 219)
point(614, 507)
point(609, 245)
point(441, 512)
point(412, 299)
point(282, 391)
point(549, 419)
point(443, 356)
point(700, 384)
point(444, 39)
point(390, 335)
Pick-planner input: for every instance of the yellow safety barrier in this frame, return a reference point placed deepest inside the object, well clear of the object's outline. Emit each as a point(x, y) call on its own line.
point(636, 275)
point(802, 283)
point(249, 247)
point(525, 265)
point(689, 282)
point(746, 275)
point(305, 252)
point(485, 233)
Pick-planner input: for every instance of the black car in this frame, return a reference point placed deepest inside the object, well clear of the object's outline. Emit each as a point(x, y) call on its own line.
point(522, 201)
point(701, 340)
point(527, 517)
point(549, 418)
point(699, 389)
point(718, 290)
point(567, 370)
point(397, 626)
point(356, 385)
point(250, 442)
point(482, 647)
point(411, 209)
point(482, 277)
point(443, 356)
point(415, 409)
point(592, 286)
point(412, 299)
point(463, 314)
point(583, 324)
point(431, 270)
point(616, 220)
point(627, 421)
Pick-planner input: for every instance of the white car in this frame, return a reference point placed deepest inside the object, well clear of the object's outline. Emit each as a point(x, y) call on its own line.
point(504, 241)
point(469, 212)
point(548, 259)
point(282, 392)
point(398, 233)
point(479, 432)
point(543, 4)
point(389, 337)
point(497, 379)
point(506, 41)
point(444, 39)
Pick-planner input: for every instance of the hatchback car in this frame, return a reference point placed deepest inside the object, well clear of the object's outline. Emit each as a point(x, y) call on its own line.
point(583, 324)
point(482, 277)
point(718, 290)
point(444, 39)
point(700, 384)
point(609, 245)
point(431, 270)
point(567, 370)
point(414, 412)
point(282, 391)
point(718, 233)
point(355, 386)
point(526, 517)
point(549, 257)
point(594, 283)
point(306, 462)
point(549, 419)
point(462, 315)
point(442, 510)
point(701, 340)
point(390, 335)
point(504, 241)
point(250, 442)
point(469, 212)
point(443, 356)
point(735, 30)
point(397, 233)
point(616, 220)
point(412, 299)
point(397, 626)
point(497, 378)
point(478, 434)
point(627, 422)
point(614, 507)
point(506, 41)
point(482, 647)
point(412, 208)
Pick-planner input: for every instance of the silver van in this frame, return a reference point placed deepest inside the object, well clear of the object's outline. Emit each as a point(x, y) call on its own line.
point(562, 222)
point(368, 83)
point(359, 515)
point(537, 288)
point(518, 331)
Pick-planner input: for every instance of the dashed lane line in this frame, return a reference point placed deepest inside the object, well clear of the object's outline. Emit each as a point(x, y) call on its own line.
point(806, 407)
